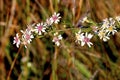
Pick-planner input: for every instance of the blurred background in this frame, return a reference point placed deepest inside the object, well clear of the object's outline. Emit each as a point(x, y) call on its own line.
point(71, 62)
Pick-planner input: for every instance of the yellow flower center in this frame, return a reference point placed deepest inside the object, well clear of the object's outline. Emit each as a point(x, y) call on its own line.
point(102, 33)
point(110, 28)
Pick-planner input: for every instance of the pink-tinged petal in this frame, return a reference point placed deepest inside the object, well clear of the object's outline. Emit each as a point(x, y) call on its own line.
point(43, 30)
point(17, 45)
point(82, 43)
point(59, 37)
point(57, 43)
point(16, 40)
point(82, 36)
point(40, 33)
point(49, 21)
point(55, 39)
point(32, 36)
point(90, 36)
point(89, 44)
point(58, 14)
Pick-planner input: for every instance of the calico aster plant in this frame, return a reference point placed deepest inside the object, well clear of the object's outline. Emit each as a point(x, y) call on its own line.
point(107, 28)
point(38, 29)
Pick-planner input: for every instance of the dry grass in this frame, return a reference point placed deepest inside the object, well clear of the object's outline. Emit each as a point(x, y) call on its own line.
point(70, 61)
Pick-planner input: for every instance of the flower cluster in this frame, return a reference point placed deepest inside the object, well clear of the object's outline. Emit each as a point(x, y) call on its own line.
point(38, 29)
point(108, 27)
point(83, 38)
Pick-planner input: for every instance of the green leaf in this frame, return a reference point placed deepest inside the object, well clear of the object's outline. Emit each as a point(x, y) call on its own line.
point(82, 69)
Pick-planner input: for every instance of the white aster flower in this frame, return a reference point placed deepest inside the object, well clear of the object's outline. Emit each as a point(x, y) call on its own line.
point(30, 28)
point(57, 39)
point(78, 37)
point(111, 29)
point(86, 39)
point(83, 38)
point(40, 28)
point(107, 22)
point(105, 25)
point(26, 37)
point(49, 22)
point(95, 28)
point(55, 18)
point(111, 21)
point(16, 40)
point(85, 19)
point(102, 34)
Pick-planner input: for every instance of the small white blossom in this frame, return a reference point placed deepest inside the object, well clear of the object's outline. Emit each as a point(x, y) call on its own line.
point(107, 22)
point(83, 38)
point(57, 39)
point(86, 39)
point(30, 28)
point(55, 18)
point(85, 19)
point(49, 22)
point(40, 28)
point(102, 34)
point(78, 37)
point(95, 28)
point(26, 37)
point(111, 29)
point(16, 40)
point(107, 27)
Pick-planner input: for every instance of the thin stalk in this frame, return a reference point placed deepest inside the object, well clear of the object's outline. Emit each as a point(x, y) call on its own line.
point(13, 63)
